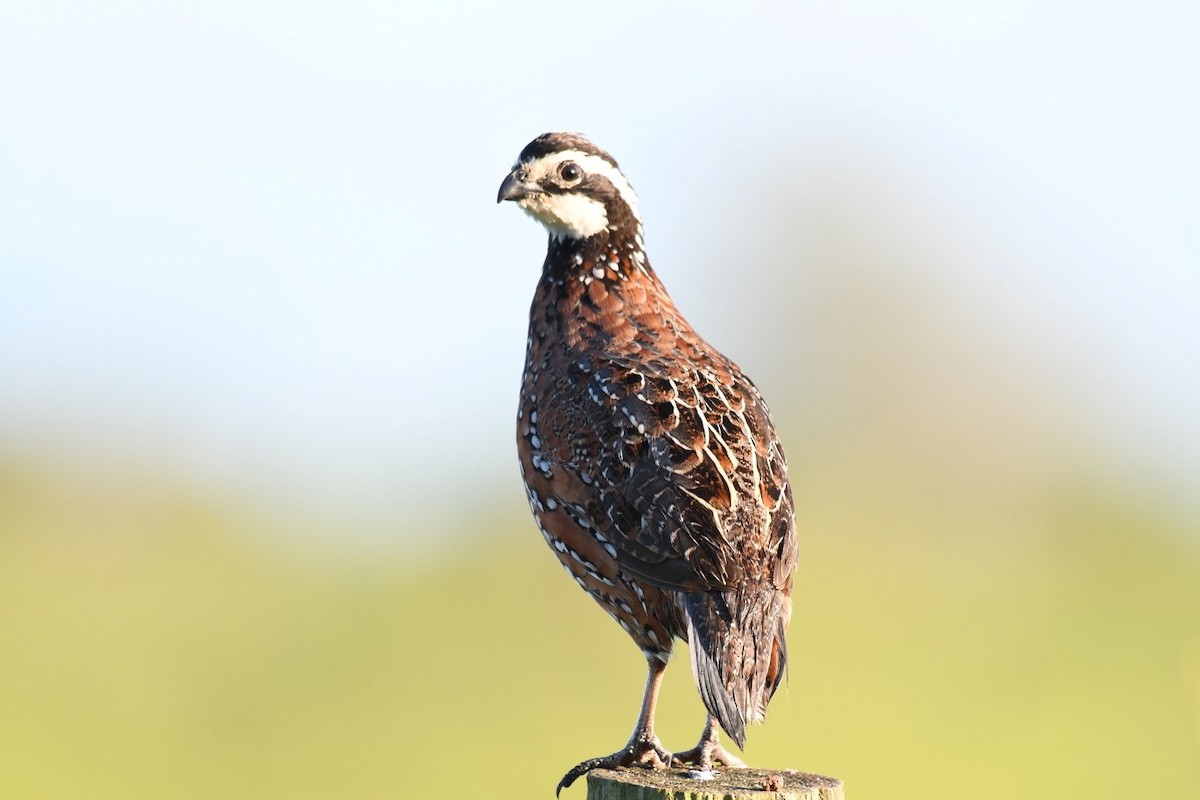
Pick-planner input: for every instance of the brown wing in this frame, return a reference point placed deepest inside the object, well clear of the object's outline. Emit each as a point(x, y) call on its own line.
point(685, 475)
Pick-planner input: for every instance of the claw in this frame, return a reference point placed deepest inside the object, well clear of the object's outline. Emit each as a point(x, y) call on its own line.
point(648, 754)
point(708, 752)
point(706, 758)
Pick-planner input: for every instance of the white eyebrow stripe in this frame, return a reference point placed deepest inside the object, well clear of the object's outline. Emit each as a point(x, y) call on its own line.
point(595, 165)
point(592, 165)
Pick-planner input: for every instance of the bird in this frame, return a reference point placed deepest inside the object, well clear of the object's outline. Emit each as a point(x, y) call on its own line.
point(651, 463)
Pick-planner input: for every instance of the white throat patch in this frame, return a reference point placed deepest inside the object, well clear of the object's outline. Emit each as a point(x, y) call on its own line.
point(570, 216)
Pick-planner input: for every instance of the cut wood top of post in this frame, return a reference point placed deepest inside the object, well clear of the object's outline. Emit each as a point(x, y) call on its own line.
point(729, 784)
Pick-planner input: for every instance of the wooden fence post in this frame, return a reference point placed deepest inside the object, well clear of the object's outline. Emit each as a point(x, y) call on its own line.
point(729, 784)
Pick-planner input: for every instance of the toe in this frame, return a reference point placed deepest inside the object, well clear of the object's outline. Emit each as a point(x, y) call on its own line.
point(647, 753)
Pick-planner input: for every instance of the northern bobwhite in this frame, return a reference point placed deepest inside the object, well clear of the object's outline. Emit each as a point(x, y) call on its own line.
point(651, 462)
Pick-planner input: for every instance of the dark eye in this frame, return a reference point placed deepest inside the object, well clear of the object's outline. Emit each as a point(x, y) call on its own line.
point(570, 171)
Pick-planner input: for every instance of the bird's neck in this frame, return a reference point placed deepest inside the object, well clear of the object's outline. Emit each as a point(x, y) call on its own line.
point(596, 294)
point(613, 256)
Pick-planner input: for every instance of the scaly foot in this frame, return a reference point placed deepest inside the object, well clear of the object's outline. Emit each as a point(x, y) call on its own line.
point(708, 751)
point(640, 752)
point(709, 754)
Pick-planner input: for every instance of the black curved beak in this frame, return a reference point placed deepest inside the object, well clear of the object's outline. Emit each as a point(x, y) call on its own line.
point(515, 187)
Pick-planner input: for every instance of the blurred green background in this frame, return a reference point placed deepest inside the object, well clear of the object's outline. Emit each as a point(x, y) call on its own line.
point(261, 324)
point(948, 640)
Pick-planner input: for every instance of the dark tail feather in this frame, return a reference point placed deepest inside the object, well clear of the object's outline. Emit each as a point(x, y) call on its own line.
point(738, 652)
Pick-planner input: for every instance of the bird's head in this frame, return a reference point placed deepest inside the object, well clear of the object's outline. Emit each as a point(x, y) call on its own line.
point(572, 187)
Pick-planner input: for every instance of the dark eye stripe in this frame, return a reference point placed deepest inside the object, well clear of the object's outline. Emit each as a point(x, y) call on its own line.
point(596, 186)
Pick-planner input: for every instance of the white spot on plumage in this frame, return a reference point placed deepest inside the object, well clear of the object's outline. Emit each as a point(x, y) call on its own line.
point(541, 465)
point(575, 555)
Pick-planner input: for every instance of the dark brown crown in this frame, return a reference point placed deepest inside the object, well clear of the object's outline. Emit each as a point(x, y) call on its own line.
point(549, 143)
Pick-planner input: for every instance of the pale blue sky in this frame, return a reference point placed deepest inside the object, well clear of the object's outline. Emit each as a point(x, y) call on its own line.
point(256, 243)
